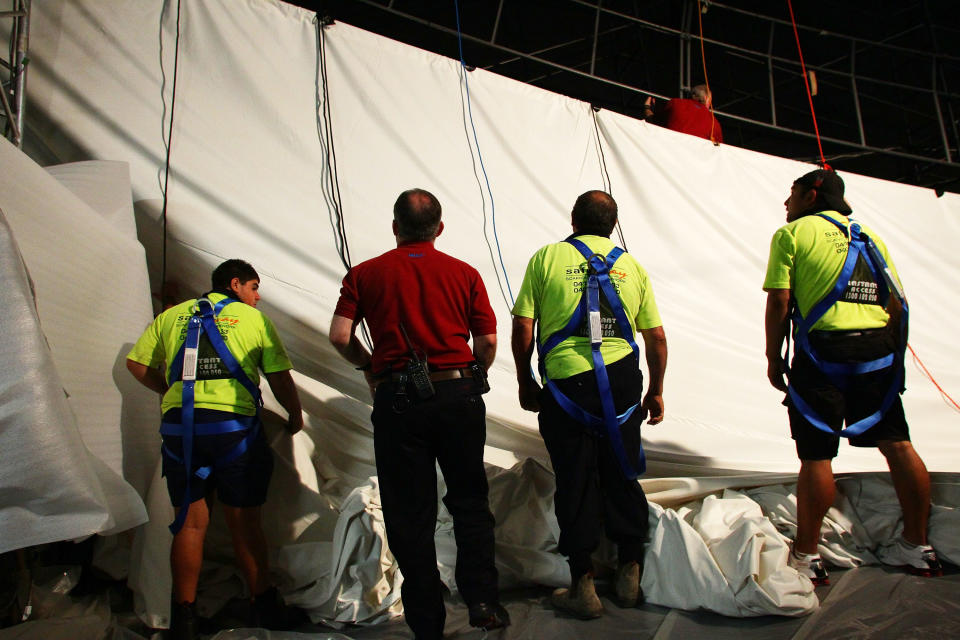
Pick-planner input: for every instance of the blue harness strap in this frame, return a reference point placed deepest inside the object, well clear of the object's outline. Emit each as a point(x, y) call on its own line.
point(859, 245)
point(184, 368)
point(598, 281)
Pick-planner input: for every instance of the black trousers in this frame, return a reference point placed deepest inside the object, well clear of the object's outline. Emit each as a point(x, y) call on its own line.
point(449, 429)
point(591, 487)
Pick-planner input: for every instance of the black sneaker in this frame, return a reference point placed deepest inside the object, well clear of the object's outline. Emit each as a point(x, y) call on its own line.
point(488, 616)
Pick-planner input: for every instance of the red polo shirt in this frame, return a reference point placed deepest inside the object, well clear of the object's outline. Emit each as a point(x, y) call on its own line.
point(688, 116)
point(440, 300)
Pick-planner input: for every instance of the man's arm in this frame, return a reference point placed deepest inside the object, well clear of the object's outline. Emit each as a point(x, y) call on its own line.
point(777, 324)
point(655, 347)
point(149, 377)
point(485, 349)
point(285, 391)
point(343, 337)
point(521, 343)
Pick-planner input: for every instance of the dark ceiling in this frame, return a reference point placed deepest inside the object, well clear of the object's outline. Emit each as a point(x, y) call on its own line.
point(887, 73)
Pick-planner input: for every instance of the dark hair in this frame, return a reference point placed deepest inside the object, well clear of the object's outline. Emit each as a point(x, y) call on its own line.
point(595, 212)
point(417, 213)
point(227, 271)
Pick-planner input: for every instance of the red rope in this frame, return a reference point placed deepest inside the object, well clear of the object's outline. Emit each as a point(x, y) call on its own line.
point(706, 80)
point(806, 82)
point(929, 376)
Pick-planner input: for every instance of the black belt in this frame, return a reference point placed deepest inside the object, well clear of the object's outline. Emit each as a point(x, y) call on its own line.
point(437, 376)
point(839, 335)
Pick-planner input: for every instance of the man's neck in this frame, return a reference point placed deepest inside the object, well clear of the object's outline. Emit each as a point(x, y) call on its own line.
point(404, 241)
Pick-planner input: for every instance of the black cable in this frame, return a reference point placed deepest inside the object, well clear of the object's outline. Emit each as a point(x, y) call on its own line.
point(330, 181)
point(330, 184)
point(607, 186)
point(169, 141)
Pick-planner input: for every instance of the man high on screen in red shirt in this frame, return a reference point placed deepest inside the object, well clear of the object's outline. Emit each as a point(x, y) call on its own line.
point(691, 115)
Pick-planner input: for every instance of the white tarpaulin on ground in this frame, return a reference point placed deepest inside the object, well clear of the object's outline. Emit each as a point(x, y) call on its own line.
point(249, 178)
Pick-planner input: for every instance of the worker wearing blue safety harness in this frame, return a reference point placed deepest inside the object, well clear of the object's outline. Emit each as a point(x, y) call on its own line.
point(587, 299)
point(203, 355)
point(832, 277)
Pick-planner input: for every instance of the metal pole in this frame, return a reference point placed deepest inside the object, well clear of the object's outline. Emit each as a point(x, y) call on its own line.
point(11, 121)
point(496, 22)
point(773, 98)
point(952, 119)
point(596, 36)
point(856, 94)
point(933, 84)
point(684, 64)
point(19, 64)
point(552, 47)
point(936, 107)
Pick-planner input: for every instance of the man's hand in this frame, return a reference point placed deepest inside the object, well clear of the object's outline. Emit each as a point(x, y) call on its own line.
point(285, 391)
point(776, 369)
point(652, 405)
point(295, 422)
point(529, 394)
point(521, 343)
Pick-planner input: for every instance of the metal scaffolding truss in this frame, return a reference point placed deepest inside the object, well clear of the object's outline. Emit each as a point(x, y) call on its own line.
point(13, 77)
point(887, 78)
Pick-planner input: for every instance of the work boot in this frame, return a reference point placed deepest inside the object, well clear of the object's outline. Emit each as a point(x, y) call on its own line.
point(184, 624)
point(626, 585)
point(810, 565)
point(580, 600)
point(919, 559)
point(488, 616)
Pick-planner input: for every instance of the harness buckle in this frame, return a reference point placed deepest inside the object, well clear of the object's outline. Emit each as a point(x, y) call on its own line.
point(196, 305)
point(594, 260)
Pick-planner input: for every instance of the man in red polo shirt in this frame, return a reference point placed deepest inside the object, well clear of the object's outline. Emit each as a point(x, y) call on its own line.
point(422, 306)
point(691, 115)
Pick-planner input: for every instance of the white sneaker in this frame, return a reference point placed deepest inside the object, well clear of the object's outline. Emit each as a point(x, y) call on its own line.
point(810, 565)
point(918, 559)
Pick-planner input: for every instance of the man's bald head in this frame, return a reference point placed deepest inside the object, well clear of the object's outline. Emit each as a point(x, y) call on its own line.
point(417, 214)
point(595, 212)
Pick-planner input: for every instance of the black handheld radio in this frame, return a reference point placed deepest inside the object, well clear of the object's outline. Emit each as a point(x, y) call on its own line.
point(417, 371)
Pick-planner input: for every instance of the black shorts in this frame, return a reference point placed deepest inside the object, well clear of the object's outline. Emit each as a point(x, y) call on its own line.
point(242, 482)
point(861, 397)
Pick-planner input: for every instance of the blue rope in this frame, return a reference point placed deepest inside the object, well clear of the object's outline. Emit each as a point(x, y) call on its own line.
point(476, 142)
